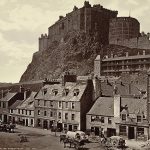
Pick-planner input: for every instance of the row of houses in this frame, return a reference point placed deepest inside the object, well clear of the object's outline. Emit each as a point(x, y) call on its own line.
point(101, 107)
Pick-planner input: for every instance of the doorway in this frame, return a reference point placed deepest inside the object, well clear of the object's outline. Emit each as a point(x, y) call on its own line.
point(45, 124)
point(70, 127)
point(26, 122)
point(5, 118)
point(131, 133)
point(111, 132)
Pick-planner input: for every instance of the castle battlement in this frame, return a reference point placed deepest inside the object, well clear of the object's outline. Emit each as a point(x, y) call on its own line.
point(81, 19)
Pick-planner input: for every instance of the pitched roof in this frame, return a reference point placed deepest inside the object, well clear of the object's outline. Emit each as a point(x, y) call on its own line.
point(8, 96)
point(28, 103)
point(122, 89)
point(104, 106)
point(14, 105)
point(49, 95)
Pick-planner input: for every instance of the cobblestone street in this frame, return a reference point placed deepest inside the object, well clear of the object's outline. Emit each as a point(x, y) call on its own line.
point(38, 139)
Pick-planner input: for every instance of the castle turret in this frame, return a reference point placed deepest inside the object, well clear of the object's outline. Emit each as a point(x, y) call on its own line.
point(43, 42)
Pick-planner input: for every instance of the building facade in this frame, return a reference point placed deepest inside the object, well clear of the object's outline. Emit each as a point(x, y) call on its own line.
point(123, 116)
point(64, 106)
point(7, 101)
point(23, 113)
point(115, 66)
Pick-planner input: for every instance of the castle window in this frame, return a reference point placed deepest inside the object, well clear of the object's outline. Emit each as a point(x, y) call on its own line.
point(62, 26)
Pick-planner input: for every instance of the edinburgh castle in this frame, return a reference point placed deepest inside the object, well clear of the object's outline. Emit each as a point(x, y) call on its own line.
point(100, 21)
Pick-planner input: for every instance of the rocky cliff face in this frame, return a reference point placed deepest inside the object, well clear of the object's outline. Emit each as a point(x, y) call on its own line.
point(76, 53)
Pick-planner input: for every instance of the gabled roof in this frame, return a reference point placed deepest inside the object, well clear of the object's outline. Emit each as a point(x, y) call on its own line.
point(8, 96)
point(104, 106)
point(14, 105)
point(49, 95)
point(28, 103)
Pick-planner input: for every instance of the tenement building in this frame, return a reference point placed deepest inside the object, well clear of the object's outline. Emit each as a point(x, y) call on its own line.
point(64, 106)
point(124, 116)
point(87, 19)
point(23, 112)
point(8, 99)
point(115, 66)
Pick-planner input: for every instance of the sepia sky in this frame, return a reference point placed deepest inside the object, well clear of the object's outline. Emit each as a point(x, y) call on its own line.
point(22, 22)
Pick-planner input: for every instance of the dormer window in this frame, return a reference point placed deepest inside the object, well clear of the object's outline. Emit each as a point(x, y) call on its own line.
point(65, 92)
point(123, 116)
point(44, 91)
point(76, 92)
point(139, 118)
point(55, 91)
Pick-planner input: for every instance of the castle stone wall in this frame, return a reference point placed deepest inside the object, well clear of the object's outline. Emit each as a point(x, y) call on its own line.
point(87, 19)
point(122, 28)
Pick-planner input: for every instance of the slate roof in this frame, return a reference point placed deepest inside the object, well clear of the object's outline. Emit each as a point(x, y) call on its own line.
point(104, 106)
point(28, 103)
point(60, 96)
point(14, 105)
point(122, 89)
point(8, 96)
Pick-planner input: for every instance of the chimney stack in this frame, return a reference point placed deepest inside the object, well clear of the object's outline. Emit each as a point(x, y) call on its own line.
point(97, 84)
point(68, 77)
point(117, 106)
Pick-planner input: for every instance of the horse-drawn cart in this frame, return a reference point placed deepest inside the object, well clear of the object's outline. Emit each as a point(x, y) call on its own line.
point(73, 139)
point(112, 143)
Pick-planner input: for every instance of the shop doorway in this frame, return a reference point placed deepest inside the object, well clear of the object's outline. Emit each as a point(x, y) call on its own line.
point(45, 124)
point(111, 132)
point(131, 133)
point(70, 127)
